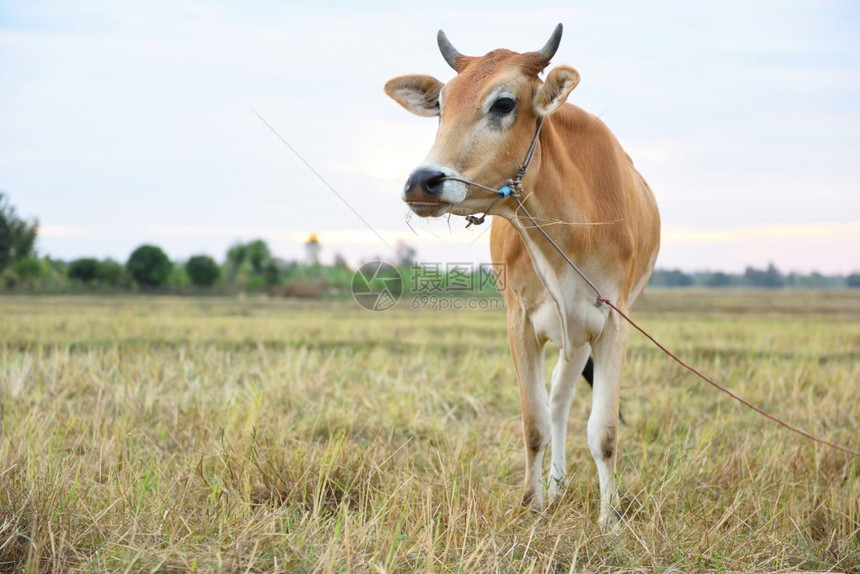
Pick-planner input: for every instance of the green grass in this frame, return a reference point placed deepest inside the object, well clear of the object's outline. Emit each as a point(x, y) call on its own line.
point(167, 434)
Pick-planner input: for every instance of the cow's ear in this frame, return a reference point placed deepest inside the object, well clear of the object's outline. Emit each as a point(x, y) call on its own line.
point(554, 91)
point(418, 94)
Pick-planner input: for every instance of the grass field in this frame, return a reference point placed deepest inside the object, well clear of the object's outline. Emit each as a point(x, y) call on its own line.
point(167, 434)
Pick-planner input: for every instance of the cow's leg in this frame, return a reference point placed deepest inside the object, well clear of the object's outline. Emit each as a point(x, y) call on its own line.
point(527, 353)
point(608, 351)
point(564, 378)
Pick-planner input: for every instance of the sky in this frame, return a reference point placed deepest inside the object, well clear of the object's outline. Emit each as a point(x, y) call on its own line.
point(195, 125)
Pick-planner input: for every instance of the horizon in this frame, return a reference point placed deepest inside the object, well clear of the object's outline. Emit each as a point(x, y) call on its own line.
point(333, 256)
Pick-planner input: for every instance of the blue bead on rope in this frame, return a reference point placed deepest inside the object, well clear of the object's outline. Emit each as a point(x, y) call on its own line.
point(505, 191)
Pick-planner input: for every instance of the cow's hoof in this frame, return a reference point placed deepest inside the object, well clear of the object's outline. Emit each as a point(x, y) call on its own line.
point(610, 521)
point(532, 501)
point(556, 490)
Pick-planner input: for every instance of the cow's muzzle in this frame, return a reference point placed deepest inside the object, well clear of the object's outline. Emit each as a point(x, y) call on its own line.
point(424, 182)
point(432, 191)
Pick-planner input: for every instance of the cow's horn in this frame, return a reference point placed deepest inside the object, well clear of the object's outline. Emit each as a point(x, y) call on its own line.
point(449, 52)
point(550, 48)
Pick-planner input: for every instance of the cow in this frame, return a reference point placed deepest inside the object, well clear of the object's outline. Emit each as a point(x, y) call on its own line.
point(580, 189)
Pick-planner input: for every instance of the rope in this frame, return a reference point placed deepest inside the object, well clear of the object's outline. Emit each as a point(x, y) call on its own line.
point(513, 188)
point(469, 182)
point(601, 300)
point(725, 390)
point(521, 173)
point(600, 297)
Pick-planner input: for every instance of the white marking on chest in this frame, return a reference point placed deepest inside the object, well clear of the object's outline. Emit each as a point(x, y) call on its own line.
point(547, 323)
point(567, 294)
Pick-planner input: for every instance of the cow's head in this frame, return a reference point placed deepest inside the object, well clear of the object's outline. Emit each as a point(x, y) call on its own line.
point(487, 119)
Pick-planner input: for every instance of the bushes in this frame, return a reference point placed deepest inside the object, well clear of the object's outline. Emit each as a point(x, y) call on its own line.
point(202, 270)
point(149, 266)
point(92, 272)
point(111, 273)
point(249, 268)
point(85, 270)
point(24, 272)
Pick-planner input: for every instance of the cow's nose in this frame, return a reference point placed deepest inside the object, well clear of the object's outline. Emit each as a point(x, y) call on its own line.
point(427, 180)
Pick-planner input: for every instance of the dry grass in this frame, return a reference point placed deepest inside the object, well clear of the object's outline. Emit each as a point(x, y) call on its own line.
point(157, 434)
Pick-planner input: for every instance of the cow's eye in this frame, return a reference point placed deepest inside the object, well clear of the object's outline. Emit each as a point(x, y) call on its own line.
point(503, 106)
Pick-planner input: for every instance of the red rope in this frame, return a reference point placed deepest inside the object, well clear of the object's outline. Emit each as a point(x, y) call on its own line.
point(725, 390)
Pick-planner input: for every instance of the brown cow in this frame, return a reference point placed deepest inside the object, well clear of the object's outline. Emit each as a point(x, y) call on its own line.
point(582, 188)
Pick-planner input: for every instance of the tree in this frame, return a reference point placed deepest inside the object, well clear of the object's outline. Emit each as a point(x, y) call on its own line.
point(769, 278)
point(271, 274)
point(202, 270)
point(405, 254)
point(85, 270)
point(340, 261)
point(149, 266)
point(27, 271)
point(17, 237)
point(258, 255)
point(252, 263)
point(718, 279)
point(236, 257)
point(853, 281)
point(30, 268)
point(670, 278)
point(111, 273)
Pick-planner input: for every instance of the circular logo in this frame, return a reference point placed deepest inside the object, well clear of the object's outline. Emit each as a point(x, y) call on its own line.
point(377, 286)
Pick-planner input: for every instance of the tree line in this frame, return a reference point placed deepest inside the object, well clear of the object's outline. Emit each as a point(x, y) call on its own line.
point(249, 266)
point(767, 278)
point(252, 267)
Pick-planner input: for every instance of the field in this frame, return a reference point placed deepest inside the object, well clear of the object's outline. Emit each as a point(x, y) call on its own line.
point(251, 435)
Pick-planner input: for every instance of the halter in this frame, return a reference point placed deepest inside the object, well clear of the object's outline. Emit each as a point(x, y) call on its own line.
point(512, 187)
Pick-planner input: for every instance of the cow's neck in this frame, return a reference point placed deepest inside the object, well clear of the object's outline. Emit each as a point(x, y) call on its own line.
point(558, 212)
